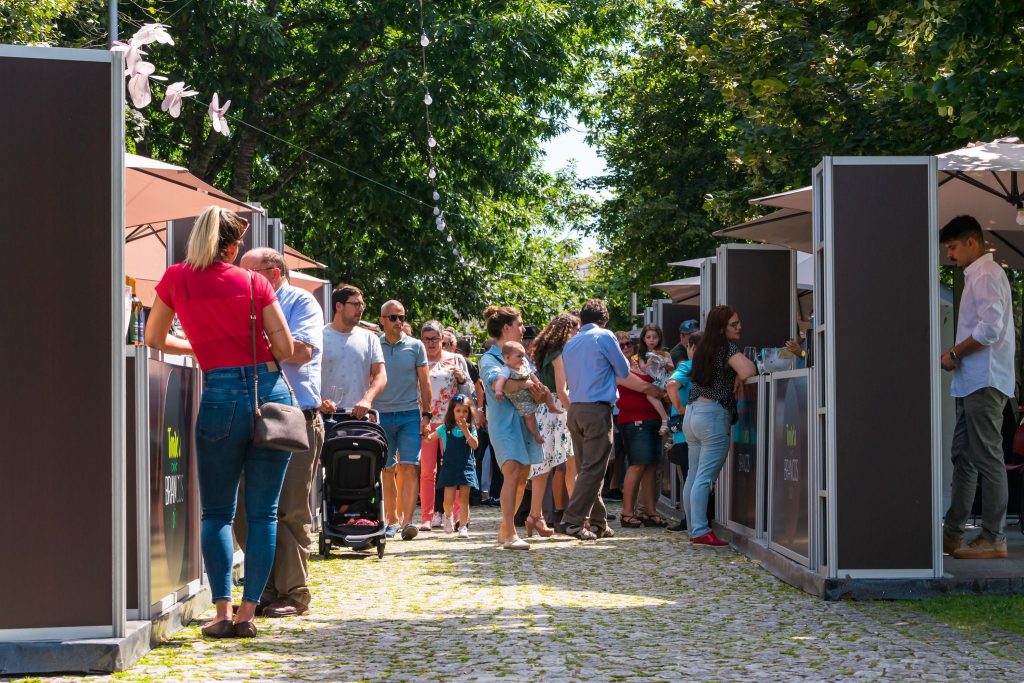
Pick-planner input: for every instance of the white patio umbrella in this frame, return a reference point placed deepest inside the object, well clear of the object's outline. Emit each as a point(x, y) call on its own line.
point(788, 227)
point(982, 179)
point(684, 291)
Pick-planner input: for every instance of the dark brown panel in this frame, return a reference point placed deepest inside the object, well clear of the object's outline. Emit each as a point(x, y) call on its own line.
point(55, 485)
point(882, 410)
point(760, 289)
point(790, 519)
point(672, 316)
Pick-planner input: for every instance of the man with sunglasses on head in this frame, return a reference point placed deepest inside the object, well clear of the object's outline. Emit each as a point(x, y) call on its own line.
point(404, 407)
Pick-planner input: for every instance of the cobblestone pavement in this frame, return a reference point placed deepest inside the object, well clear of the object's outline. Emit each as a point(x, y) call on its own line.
point(644, 605)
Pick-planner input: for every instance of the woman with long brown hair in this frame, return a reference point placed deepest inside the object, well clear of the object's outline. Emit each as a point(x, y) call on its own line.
point(547, 356)
point(718, 369)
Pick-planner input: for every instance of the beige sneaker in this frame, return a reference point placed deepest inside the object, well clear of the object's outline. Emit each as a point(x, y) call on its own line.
point(982, 549)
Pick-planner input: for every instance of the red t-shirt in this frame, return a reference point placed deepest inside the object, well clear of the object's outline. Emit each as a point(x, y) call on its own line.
point(634, 406)
point(213, 307)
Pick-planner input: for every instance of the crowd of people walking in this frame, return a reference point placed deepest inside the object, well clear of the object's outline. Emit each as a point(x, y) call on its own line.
point(553, 410)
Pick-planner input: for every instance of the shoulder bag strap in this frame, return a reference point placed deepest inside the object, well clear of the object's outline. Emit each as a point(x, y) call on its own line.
point(252, 327)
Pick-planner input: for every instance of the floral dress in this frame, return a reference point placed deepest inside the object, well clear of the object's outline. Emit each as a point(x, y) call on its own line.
point(443, 385)
point(554, 429)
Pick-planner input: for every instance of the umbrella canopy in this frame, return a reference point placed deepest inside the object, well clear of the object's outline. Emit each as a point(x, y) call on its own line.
point(156, 192)
point(307, 282)
point(982, 180)
point(690, 263)
point(293, 258)
point(682, 291)
point(787, 227)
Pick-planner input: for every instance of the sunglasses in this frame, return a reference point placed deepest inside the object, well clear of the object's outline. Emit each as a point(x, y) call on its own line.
point(395, 316)
point(625, 345)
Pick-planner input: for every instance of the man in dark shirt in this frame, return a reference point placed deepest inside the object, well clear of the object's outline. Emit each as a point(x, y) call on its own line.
point(678, 352)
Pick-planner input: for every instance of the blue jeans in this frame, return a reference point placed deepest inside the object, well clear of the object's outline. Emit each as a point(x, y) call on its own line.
point(223, 448)
point(706, 426)
point(404, 441)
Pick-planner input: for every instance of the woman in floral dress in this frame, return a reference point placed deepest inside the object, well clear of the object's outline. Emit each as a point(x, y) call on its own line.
point(547, 357)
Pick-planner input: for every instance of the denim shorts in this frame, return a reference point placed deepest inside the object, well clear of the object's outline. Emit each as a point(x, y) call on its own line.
point(642, 441)
point(403, 430)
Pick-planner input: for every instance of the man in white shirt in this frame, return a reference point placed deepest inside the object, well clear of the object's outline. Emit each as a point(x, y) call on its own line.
point(983, 378)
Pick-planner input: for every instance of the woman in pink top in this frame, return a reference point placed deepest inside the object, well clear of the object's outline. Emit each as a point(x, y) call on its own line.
point(212, 299)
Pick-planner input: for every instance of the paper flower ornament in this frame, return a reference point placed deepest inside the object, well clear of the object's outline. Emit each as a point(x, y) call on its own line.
point(172, 98)
point(217, 112)
point(153, 33)
point(139, 74)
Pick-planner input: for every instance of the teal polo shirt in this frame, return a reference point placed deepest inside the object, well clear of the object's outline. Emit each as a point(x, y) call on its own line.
point(400, 362)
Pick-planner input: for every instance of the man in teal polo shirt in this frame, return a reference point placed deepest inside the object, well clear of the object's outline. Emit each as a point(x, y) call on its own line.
point(404, 407)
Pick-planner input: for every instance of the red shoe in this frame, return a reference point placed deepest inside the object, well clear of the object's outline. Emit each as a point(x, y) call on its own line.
point(708, 539)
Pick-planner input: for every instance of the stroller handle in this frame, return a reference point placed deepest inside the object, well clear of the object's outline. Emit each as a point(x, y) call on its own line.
point(347, 412)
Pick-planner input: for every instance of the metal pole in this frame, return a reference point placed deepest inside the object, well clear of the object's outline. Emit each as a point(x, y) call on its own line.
point(112, 20)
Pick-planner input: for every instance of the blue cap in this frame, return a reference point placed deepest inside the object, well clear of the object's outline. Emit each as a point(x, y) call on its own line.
point(689, 326)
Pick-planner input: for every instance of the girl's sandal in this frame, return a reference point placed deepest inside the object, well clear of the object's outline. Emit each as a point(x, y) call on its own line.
point(631, 522)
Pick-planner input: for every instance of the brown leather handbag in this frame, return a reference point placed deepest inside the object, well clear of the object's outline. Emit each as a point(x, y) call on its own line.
point(275, 425)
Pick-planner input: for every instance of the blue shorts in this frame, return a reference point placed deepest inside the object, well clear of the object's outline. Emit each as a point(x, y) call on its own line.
point(642, 441)
point(403, 430)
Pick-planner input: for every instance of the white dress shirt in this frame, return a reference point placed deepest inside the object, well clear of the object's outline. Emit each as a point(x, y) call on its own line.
point(986, 314)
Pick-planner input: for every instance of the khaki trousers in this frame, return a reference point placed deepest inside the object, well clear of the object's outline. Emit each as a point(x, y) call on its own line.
point(294, 521)
point(590, 426)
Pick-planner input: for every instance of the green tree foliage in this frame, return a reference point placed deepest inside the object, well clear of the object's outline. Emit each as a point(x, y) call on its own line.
point(788, 82)
point(330, 93)
point(34, 22)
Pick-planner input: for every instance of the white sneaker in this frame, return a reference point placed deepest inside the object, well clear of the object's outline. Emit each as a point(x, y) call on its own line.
point(449, 525)
point(438, 519)
point(463, 532)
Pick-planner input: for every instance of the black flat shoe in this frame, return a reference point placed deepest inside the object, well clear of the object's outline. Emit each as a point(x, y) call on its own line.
point(222, 629)
point(245, 629)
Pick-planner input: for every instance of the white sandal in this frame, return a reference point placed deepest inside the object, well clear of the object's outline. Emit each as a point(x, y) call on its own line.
point(516, 544)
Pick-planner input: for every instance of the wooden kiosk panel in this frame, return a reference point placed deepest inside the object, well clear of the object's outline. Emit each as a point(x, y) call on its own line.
point(62, 481)
point(759, 281)
point(882, 410)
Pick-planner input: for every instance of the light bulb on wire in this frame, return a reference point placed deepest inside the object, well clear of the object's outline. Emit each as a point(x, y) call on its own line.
point(436, 196)
point(432, 173)
point(1020, 215)
point(424, 41)
point(427, 99)
point(437, 211)
point(431, 141)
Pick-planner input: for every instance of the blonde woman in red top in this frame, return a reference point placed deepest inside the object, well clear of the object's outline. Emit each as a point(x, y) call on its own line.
point(212, 299)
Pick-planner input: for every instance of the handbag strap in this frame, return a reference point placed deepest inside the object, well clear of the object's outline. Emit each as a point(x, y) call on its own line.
point(255, 365)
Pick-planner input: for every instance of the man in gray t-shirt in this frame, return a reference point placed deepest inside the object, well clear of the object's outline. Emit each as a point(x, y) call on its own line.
point(352, 373)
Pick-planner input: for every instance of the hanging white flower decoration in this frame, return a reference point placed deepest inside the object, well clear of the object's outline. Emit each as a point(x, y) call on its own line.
point(220, 124)
point(153, 33)
point(173, 97)
point(138, 81)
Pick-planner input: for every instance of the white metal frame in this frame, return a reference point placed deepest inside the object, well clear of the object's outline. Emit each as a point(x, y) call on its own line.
point(708, 287)
point(117, 625)
point(825, 354)
point(807, 561)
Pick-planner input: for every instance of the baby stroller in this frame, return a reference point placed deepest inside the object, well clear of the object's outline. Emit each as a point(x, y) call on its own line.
point(353, 458)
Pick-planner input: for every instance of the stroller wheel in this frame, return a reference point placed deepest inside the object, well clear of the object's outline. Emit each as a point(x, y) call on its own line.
point(380, 550)
point(324, 546)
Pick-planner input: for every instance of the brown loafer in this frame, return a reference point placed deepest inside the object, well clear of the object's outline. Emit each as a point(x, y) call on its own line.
point(245, 629)
point(285, 607)
point(222, 629)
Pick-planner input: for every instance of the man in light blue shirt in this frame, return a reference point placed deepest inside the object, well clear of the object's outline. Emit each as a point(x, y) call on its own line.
point(287, 594)
point(594, 366)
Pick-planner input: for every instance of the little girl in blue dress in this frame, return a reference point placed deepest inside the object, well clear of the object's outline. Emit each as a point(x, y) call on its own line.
point(458, 464)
